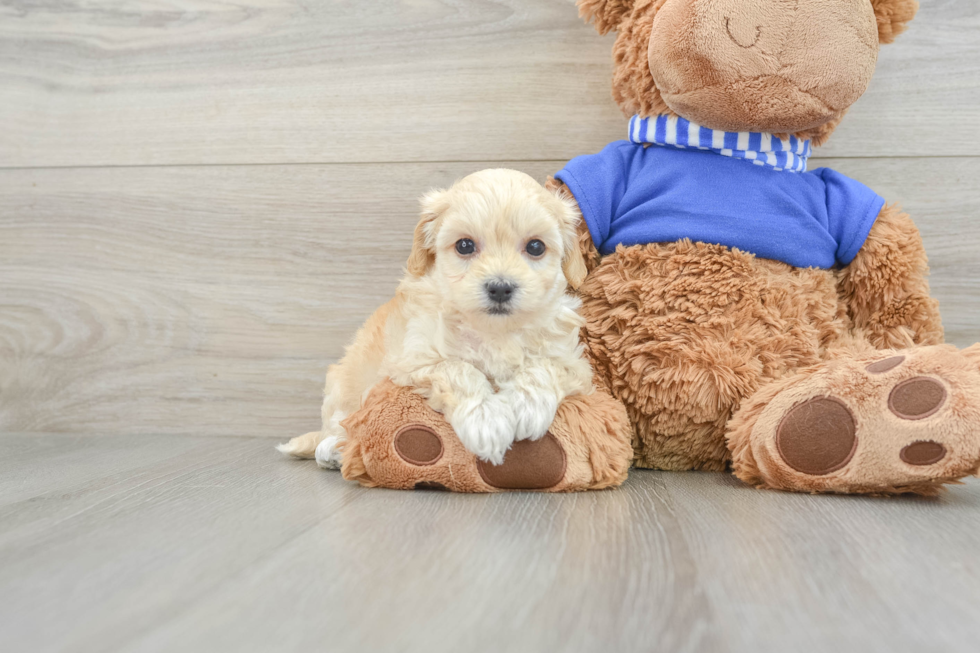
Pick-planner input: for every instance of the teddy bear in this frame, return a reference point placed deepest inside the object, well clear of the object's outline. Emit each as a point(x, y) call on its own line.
point(749, 313)
point(741, 311)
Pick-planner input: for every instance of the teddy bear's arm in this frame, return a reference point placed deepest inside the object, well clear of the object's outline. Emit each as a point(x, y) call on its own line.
point(885, 286)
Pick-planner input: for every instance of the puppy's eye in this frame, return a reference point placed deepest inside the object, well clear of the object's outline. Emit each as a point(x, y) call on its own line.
point(535, 248)
point(465, 247)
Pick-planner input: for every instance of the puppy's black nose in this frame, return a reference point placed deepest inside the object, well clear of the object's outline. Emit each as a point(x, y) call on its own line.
point(499, 291)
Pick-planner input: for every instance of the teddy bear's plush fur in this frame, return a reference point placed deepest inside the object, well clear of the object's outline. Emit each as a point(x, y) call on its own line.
point(723, 358)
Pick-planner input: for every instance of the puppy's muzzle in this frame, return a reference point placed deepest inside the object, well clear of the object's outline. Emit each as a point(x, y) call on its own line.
point(500, 293)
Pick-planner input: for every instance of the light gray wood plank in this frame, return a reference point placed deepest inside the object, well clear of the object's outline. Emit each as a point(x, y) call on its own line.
point(280, 81)
point(211, 299)
point(87, 561)
point(835, 573)
point(206, 544)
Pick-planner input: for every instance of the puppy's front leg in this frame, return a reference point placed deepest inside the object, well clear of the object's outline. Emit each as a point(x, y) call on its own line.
point(537, 389)
point(483, 422)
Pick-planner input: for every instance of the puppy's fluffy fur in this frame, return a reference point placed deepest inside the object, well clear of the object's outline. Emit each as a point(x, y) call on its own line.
point(496, 369)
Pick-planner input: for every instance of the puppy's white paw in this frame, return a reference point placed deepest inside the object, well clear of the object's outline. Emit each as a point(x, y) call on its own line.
point(534, 411)
point(485, 427)
point(328, 454)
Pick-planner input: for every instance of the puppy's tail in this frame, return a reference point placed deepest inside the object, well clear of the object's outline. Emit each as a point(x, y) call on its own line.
point(302, 446)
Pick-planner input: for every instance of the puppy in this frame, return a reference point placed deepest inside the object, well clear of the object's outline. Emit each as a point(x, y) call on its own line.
point(481, 324)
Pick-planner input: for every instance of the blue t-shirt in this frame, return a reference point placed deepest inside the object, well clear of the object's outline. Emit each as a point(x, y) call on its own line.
point(634, 195)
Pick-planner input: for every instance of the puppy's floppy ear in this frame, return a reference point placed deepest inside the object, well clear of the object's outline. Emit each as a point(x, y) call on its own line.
point(570, 218)
point(423, 256)
point(605, 14)
point(893, 17)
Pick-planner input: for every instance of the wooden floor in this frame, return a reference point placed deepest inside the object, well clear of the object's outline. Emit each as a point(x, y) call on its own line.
point(199, 203)
point(180, 543)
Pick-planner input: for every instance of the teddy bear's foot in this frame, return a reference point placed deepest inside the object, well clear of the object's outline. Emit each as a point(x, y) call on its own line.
point(901, 421)
point(396, 441)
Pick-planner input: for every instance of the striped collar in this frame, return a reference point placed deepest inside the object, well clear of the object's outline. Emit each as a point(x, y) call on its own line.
point(788, 154)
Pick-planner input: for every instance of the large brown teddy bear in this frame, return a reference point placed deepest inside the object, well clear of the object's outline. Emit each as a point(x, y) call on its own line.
point(744, 311)
point(825, 375)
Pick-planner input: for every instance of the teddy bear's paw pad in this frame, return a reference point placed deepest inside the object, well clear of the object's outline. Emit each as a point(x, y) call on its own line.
point(528, 465)
point(818, 436)
point(418, 445)
point(917, 398)
point(925, 452)
point(882, 366)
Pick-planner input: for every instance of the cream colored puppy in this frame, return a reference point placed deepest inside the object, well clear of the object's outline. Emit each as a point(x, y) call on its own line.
point(481, 325)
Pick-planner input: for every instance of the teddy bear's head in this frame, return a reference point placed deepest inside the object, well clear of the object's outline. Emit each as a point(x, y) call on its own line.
point(779, 66)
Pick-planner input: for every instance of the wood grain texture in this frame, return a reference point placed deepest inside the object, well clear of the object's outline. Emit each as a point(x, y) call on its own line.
point(211, 299)
point(284, 81)
point(217, 544)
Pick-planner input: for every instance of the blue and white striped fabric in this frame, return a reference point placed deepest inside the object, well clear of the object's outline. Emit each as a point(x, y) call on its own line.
point(762, 149)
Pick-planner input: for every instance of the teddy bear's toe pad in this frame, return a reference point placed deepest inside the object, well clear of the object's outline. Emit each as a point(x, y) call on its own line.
point(817, 437)
point(917, 398)
point(418, 444)
point(882, 366)
point(926, 452)
point(528, 465)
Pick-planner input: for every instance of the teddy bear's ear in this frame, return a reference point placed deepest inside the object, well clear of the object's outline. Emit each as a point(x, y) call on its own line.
point(605, 14)
point(434, 204)
point(893, 17)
